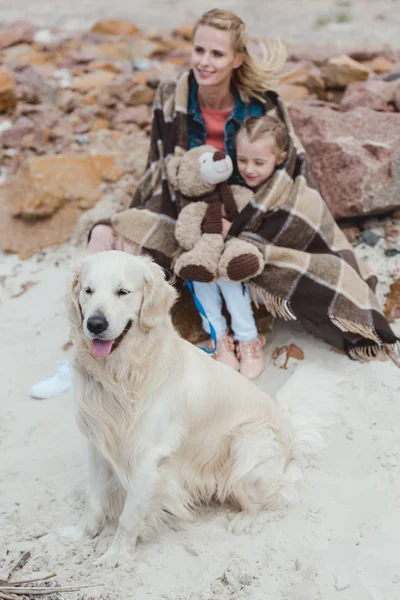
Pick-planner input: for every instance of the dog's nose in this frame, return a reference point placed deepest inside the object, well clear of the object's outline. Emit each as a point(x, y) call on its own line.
point(97, 324)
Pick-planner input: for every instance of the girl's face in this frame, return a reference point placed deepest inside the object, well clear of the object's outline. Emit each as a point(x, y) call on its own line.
point(213, 57)
point(257, 160)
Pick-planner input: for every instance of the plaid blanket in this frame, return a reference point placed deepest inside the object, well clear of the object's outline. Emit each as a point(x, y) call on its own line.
point(311, 272)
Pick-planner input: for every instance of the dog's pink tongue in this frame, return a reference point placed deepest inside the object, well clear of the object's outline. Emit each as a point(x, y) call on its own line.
point(101, 348)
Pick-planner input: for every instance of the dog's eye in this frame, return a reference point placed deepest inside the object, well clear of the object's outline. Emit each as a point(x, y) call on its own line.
point(122, 292)
point(88, 291)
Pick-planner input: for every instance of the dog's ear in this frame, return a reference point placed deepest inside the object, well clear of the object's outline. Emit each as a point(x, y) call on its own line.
point(72, 300)
point(158, 298)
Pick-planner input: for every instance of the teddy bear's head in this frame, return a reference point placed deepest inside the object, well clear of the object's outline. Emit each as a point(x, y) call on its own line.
point(199, 170)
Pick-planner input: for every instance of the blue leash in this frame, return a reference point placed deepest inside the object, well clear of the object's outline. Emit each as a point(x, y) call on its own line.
point(201, 310)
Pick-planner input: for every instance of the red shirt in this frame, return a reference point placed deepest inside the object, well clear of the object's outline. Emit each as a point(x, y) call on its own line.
point(215, 126)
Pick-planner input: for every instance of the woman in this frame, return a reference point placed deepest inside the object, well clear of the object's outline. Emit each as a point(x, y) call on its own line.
point(311, 273)
point(226, 84)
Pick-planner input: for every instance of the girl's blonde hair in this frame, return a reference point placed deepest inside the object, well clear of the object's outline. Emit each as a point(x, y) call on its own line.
point(258, 127)
point(254, 77)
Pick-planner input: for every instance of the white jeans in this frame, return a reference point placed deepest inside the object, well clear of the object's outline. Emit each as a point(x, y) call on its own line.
point(238, 302)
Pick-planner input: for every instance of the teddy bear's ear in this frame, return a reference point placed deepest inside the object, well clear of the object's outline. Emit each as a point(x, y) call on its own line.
point(172, 171)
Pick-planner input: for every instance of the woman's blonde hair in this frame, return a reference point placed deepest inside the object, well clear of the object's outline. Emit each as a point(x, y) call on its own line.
point(255, 76)
point(257, 127)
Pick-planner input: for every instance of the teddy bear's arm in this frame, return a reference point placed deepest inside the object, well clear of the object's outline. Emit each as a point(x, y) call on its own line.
point(242, 196)
point(188, 224)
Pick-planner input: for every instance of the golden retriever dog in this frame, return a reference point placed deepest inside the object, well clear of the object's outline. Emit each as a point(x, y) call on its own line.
point(169, 428)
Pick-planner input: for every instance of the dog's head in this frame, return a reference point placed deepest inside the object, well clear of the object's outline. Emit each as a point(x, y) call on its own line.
point(114, 294)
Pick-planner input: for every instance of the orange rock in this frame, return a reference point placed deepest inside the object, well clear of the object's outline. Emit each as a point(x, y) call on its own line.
point(295, 73)
point(46, 69)
point(27, 237)
point(24, 54)
point(185, 31)
point(342, 70)
point(8, 92)
point(99, 124)
point(95, 80)
point(118, 50)
point(292, 93)
point(45, 184)
point(139, 94)
point(141, 77)
point(381, 65)
point(140, 115)
point(103, 65)
point(89, 98)
point(115, 27)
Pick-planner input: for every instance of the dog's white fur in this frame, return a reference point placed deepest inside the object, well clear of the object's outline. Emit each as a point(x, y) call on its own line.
point(169, 428)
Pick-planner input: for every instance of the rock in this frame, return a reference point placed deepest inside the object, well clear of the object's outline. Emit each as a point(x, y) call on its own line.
point(5, 125)
point(396, 98)
point(290, 93)
point(369, 53)
point(381, 65)
point(140, 115)
point(31, 85)
point(13, 137)
point(95, 80)
point(115, 27)
point(373, 94)
point(99, 124)
point(45, 184)
point(15, 33)
point(351, 233)
point(342, 583)
point(67, 100)
point(391, 252)
point(319, 55)
point(8, 90)
point(184, 31)
point(26, 237)
point(104, 65)
point(354, 156)
point(302, 73)
point(138, 94)
point(370, 238)
point(342, 70)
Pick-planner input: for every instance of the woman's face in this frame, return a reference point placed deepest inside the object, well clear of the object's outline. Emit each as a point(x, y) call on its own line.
point(213, 57)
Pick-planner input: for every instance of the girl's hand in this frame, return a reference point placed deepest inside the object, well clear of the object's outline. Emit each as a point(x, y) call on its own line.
point(226, 225)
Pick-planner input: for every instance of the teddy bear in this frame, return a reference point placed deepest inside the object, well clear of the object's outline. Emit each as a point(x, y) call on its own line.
point(199, 180)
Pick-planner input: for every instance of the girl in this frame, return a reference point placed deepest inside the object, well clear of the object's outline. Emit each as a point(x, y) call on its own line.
point(261, 146)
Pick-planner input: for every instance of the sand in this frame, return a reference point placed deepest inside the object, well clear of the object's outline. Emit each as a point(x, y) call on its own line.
point(342, 534)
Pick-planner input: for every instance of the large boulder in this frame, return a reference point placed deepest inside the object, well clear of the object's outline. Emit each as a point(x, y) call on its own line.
point(354, 156)
point(44, 184)
point(373, 93)
point(343, 70)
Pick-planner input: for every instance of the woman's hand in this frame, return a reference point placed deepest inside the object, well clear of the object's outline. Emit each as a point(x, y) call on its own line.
point(226, 225)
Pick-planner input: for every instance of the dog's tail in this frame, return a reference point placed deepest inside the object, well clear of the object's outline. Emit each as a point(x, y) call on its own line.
point(309, 401)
